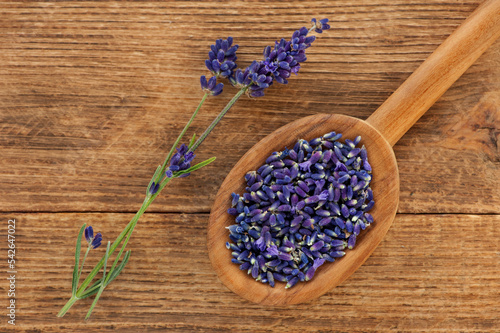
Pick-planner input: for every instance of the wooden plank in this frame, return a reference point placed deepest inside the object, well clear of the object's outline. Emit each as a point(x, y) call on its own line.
point(432, 273)
point(93, 93)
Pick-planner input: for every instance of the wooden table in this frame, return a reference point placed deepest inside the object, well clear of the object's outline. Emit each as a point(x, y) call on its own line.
point(94, 93)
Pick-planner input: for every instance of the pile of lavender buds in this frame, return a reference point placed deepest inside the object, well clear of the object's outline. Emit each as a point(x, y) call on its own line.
point(302, 208)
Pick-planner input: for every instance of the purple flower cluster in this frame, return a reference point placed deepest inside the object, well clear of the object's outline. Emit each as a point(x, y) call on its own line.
point(221, 62)
point(302, 208)
point(278, 63)
point(180, 161)
point(222, 58)
point(211, 86)
point(94, 242)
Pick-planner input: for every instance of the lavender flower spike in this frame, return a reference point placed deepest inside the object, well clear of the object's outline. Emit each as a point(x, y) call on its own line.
point(222, 57)
point(94, 242)
point(211, 87)
point(180, 161)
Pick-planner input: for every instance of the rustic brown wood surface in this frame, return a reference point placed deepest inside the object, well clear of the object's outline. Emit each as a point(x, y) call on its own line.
point(94, 93)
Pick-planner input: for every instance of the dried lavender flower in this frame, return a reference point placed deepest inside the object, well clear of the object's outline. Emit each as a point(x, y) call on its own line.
point(301, 208)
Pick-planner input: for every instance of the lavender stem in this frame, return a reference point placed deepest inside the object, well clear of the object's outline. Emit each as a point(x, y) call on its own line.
point(216, 120)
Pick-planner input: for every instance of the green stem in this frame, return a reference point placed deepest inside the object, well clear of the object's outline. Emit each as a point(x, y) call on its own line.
point(171, 152)
point(216, 120)
point(115, 244)
point(85, 257)
point(67, 306)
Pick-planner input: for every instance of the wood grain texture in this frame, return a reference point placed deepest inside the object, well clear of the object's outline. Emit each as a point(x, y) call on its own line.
point(385, 186)
point(432, 273)
point(93, 93)
point(438, 72)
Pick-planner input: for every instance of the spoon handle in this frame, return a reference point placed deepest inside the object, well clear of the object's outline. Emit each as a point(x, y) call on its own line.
point(436, 74)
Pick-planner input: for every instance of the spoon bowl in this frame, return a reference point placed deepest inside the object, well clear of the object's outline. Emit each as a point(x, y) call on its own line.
point(385, 186)
point(379, 133)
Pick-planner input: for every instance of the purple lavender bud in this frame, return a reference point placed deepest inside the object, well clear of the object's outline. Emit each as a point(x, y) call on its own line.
point(323, 195)
point(337, 242)
point(344, 210)
point(330, 233)
point(292, 283)
point(339, 222)
point(354, 180)
point(255, 270)
point(354, 152)
point(294, 171)
point(343, 179)
point(336, 254)
point(245, 266)
point(338, 153)
point(351, 241)
point(367, 166)
point(350, 144)
point(285, 256)
point(327, 155)
point(272, 220)
point(305, 232)
point(312, 199)
point(323, 213)
point(356, 215)
point(370, 194)
point(325, 221)
point(270, 279)
point(308, 223)
point(96, 242)
point(266, 171)
point(300, 205)
point(250, 178)
point(357, 229)
point(351, 202)
point(349, 226)
point(310, 273)
point(89, 234)
point(296, 221)
point(336, 196)
point(369, 206)
point(273, 263)
point(279, 277)
point(359, 186)
point(318, 245)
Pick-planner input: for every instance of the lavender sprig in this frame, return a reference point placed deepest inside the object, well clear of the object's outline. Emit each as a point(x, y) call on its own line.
point(277, 65)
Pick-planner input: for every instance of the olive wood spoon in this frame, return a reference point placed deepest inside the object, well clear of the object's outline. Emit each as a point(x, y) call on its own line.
point(379, 133)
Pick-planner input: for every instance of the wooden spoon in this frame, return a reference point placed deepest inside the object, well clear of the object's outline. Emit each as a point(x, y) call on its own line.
point(379, 133)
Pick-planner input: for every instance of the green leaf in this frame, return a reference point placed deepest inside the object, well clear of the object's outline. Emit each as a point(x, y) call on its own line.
point(101, 289)
point(195, 167)
point(91, 290)
point(193, 139)
point(118, 268)
point(74, 284)
point(112, 275)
